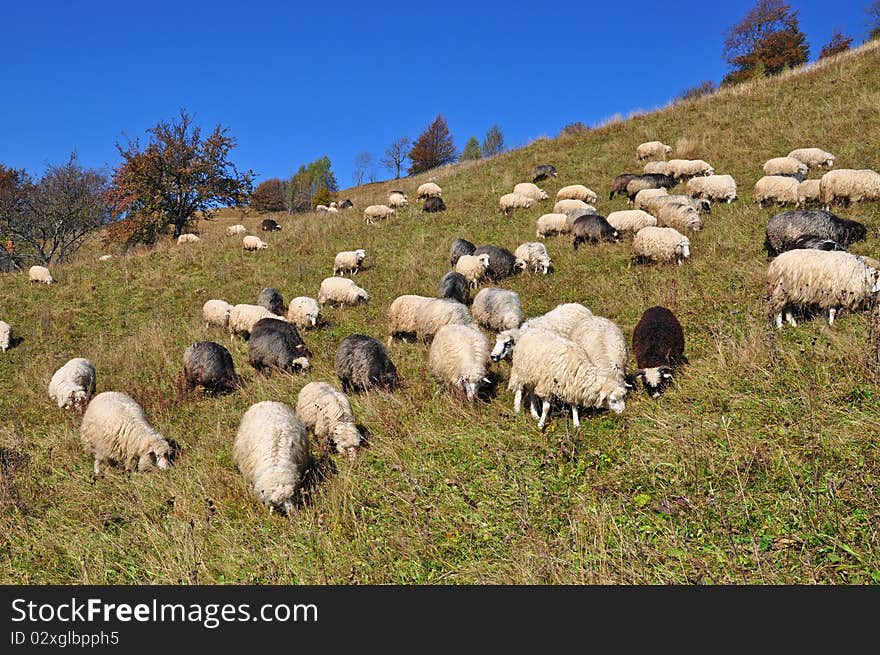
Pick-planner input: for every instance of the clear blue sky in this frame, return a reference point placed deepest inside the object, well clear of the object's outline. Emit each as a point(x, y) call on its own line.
point(294, 83)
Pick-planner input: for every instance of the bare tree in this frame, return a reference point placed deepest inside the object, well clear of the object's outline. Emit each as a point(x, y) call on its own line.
point(395, 155)
point(363, 161)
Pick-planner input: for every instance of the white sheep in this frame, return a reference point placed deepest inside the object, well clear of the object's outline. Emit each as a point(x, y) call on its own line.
point(473, 267)
point(271, 450)
point(341, 291)
point(644, 195)
point(661, 244)
point(549, 224)
point(251, 242)
point(321, 208)
point(535, 255)
point(235, 230)
point(630, 220)
point(326, 411)
point(332, 210)
point(73, 384)
point(573, 208)
point(687, 168)
point(459, 356)
point(848, 185)
point(497, 309)
point(776, 188)
point(243, 317)
point(5, 336)
point(530, 190)
point(831, 280)
point(348, 261)
point(808, 192)
point(678, 214)
point(304, 312)
point(397, 199)
point(215, 312)
point(40, 274)
point(423, 316)
point(115, 429)
point(105, 258)
point(813, 157)
point(604, 343)
point(577, 192)
point(374, 213)
point(720, 188)
point(428, 190)
point(562, 319)
point(188, 238)
point(653, 150)
point(658, 167)
point(510, 201)
point(785, 166)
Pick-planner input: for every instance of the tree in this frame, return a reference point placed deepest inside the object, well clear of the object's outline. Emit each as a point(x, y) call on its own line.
point(304, 185)
point(471, 150)
point(49, 221)
point(395, 156)
point(576, 128)
point(838, 43)
point(433, 148)
point(767, 40)
point(493, 143)
point(268, 196)
point(873, 12)
point(177, 175)
point(322, 196)
point(702, 89)
point(362, 163)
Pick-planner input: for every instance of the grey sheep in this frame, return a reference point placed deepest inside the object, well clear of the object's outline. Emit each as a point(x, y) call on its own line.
point(276, 343)
point(592, 228)
point(454, 285)
point(272, 300)
point(363, 363)
point(460, 247)
point(209, 365)
point(785, 228)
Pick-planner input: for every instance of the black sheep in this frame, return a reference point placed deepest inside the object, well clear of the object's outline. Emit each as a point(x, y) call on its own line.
point(618, 184)
point(209, 365)
point(543, 171)
point(460, 247)
point(269, 225)
point(592, 228)
point(786, 228)
point(362, 363)
point(502, 262)
point(434, 204)
point(455, 285)
point(658, 345)
point(275, 343)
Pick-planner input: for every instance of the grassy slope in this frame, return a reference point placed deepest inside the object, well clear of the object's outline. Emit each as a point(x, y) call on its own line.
point(760, 467)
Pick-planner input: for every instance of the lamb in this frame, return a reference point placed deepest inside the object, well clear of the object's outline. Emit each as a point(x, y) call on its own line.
point(550, 224)
point(592, 228)
point(562, 319)
point(375, 213)
point(658, 345)
point(341, 291)
point(721, 188)
point(272, 300)
point(5, 336)
point(643, 196)
point(535, 256)
point(661, 244)
point(363, 363)
point(786, 165)
point(473, 268)
point(327, 413)
point(530, 190)
point(428, 190)
point(216, 313)
point(209, 365)
point(813, 157)
point(502, 262)
point(271, 450)
point(276, 344)
point(304, 312)
point(348, 261)
point(688, 168)
point(243, 317)
point(630, 220)
point(40, 274)
point(808, 193)
point(73, 384)
point(511, 201)
point(653, 150)
point(460, 247)
point(252, 242)
point(543, 171)
point(846, 185)
point(423, 316)
point(776, 188)
point(434, 204)
point(829, 280)
point(577, 192)
point(618, 184)
point(648, 181)
point(661, 167)
point(459, 356)
point(269, 225)
point(188, 238)
point(235, 230)
point(573, 208)
point(115, 429)
point(497, 309)
point(397, 199)
point(787, 227)
point(454, 285)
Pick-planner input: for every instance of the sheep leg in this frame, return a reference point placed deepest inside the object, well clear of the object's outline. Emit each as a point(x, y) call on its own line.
point(545, 410)
point(97, 467)
point(517, 400)
point(831, 314)
point(574, 417)
point(533, 406)
point(790, 318)
point(779, 320)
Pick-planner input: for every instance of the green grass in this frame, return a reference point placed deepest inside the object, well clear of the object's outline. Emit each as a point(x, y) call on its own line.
point(761, 466)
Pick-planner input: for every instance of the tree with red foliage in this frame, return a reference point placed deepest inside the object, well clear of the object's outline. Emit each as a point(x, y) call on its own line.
point(433, 148)
point(268, 196)
point(766, 42)
point(838, 43)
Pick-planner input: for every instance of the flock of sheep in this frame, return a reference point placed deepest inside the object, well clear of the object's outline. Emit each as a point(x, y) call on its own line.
point(568, 357)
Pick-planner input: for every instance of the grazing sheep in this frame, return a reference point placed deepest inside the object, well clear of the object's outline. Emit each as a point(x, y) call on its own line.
point(686, 204)
point(530, 190)
point(720, 188)
point(434, 204)
point(348, 261)
point(630, 220)
point(304, 312)
point(277, 344)
point(327, 413)
point(460, 247)
point(268, 225)
point(271, 450)
point(535, 255)
point(829, 280)
point(542, 172)
point(661, 167)
point(550, 224)
point(603, 341)
point(786, 165)
point(577, 192)
point(502, 262)
point(216, 313)
point(658, 345)
point(454, 285)
point(808, 241)
point(846, 185)
point(363, 363)
point(322, 208)
point(813, 157)
point(272, 300)
point(618, 184)
point(188, 238)
point(510, 201)
point(653, 150)
point(497, 309)
point(785, 228)
point(243, 317)
point(73, 384)
point(459, 356)
point(428, 190)
point(235, 230)
point(251, 242)
point(209, 365)
point(423, 316)
point(116, 430)
point(661, 244)
point(105, 258)
point(592, 228)
point(642, 197)
point(40, 274)
point(777, 189)
point(375, 213)
point(563, 319)
point(345, 204)
point(332, 210)
point(681, 215)
point(648, 181)
point(5, 336)
point(341, 291)
point(573, 208)
point(397, 199)
point(687, 168)
point(808, 193)
point(473, 268)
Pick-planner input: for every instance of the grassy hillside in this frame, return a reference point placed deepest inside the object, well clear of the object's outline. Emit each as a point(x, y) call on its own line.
point(760, 466)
